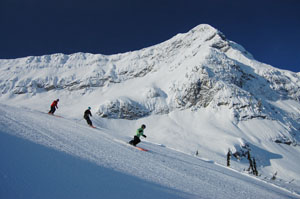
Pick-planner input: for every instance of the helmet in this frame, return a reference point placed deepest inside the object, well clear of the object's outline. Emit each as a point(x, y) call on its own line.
point(57, 100)
point(143, 126)
point(89, 108)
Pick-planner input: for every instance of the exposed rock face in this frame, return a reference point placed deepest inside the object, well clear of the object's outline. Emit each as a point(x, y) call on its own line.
point(125, 109)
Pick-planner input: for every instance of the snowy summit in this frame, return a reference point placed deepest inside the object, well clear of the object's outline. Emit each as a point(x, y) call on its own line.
point(202, 97)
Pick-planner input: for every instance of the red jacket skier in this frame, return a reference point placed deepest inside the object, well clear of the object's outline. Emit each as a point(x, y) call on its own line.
point(53, 106)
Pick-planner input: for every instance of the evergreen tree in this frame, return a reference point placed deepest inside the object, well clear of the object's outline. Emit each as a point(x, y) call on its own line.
point(274, 176)
point(228, 157)
point(250, 163)
point(255, 172)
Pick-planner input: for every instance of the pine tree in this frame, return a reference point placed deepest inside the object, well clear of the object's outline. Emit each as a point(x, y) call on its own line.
point(228, 157)
point(274, 176)
point(259, 104)
point(250, 162)
point(255, 172)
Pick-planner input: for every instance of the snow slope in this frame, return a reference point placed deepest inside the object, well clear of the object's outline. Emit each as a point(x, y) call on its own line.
point(43, 156)
point(197, 92)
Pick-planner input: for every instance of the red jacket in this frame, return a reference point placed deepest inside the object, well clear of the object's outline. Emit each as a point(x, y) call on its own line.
point(54, 103)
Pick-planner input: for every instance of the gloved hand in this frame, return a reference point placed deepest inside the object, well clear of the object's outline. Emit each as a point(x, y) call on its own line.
point(144, 136)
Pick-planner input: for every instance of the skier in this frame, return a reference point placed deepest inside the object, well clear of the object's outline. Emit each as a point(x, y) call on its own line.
point(88, 113)
point(53, 106)
point(139, 133)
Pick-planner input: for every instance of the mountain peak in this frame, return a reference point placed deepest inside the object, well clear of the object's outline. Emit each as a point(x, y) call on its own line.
point(203, 28)
point(202, 33)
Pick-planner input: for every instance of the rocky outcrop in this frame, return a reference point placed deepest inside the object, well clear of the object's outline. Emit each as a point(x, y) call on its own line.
point(123, 108)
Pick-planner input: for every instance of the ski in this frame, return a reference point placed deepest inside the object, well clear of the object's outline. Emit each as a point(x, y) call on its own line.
point(55, 115)
point(128, 144)
point(141, 149)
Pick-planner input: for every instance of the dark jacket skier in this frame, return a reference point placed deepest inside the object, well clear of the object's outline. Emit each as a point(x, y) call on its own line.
point(53, 106)
point(139, 133)
point(87, 115)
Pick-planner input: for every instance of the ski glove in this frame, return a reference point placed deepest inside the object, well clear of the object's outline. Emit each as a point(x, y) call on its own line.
point(144, 136)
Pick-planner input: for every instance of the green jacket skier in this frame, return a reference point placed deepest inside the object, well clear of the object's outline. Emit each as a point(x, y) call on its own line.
point(139, 133)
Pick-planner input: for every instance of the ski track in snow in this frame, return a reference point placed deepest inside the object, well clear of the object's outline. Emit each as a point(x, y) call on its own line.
point(177, 175)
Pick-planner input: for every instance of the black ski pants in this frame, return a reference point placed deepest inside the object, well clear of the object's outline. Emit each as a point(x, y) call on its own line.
point(52, 109)
point(88, 120)
point(135, 140)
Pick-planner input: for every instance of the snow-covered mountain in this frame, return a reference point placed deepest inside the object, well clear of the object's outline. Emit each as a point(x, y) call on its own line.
point(197, 93)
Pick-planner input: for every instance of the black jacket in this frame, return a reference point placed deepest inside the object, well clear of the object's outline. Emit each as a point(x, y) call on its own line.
point(87, 113)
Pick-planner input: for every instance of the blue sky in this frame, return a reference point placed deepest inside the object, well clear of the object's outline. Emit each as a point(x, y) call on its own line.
point(268, 29)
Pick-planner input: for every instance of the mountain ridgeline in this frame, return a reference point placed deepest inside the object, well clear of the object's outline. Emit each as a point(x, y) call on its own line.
point(200, 68)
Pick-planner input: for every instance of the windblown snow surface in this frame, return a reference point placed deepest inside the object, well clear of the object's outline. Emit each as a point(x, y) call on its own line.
point(43, 156)
point(198, 93)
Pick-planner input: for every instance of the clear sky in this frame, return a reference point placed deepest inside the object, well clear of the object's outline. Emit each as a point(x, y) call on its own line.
point(268, 29)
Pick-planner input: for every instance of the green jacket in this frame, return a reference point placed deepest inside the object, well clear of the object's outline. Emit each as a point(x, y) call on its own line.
point(140, 132)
